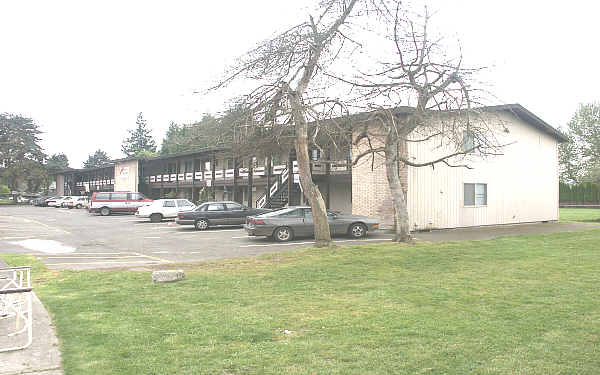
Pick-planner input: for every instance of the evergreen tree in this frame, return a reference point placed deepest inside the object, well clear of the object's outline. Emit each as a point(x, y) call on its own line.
point(56, 162)
point(20, 152)
point(210, 131)
point(139, 138)
point(99, 158)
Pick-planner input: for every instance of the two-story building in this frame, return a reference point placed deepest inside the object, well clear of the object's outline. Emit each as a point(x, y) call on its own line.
point(521, 185)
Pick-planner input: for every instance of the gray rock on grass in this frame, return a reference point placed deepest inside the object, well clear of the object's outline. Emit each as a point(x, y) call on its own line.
point(167, 276)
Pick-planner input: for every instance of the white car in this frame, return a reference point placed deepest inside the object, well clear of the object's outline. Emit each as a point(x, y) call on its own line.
point(76, 202)
point(164, 209)
point(55, 202)
point(67, 199)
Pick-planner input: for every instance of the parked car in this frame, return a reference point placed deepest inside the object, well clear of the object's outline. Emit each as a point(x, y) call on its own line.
point(285, 224)
point(218, 213)
point(39, 201)
point(43, 202)
point(76, 202)
point(118, 201)
point(164, 209)
point(54, 201)
point(63, 202)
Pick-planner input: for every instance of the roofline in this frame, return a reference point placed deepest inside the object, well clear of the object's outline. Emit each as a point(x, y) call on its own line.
point(516, 109)
point(524, 114)
point(185, 153)
point(68, 170)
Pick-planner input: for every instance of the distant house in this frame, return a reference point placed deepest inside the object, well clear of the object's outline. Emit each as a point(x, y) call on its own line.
point(519, 186)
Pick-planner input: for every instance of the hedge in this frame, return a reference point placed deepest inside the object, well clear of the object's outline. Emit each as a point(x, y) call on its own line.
point(584, 193)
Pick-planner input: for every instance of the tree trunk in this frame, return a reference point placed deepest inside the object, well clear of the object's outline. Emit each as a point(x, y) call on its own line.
point(311, 191)
point(402, 231)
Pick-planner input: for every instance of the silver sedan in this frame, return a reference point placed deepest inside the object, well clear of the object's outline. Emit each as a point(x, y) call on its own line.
point(284, 225)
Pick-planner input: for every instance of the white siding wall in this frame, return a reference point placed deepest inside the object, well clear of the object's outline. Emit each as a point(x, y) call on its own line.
point(522, 184)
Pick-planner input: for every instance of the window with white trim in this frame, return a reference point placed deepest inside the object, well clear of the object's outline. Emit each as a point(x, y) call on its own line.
point(475, 194)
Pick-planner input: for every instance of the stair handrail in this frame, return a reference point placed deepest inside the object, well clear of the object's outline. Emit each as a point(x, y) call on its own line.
point(274, 188)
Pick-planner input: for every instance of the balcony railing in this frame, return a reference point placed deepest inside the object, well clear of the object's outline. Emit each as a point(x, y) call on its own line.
point(319, 167)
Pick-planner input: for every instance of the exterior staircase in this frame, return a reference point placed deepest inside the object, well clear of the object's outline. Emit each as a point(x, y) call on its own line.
point(278, 192)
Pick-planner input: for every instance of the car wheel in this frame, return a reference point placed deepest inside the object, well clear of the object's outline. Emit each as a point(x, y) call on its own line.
point(105, 211)
point(357, 230)
point(78, 206)
point(156, 218)
point(201, 224)
point(283, 234)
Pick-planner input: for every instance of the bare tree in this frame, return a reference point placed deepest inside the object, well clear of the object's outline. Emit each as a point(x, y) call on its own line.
point(287, 105)
point(422, 95)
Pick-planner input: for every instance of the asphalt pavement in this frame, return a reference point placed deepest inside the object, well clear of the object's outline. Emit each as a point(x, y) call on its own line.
point(76, 239)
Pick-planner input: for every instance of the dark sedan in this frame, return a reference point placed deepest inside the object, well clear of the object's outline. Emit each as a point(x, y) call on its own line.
point(218, 213)
point(285, 224)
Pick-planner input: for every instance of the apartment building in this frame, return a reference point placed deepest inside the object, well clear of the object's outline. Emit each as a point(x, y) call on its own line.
point(521, 185)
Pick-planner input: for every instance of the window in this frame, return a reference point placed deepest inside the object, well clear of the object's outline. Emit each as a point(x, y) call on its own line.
point(229, 163)
point(137, 197)
point(475, 194)
point(290, 213)
point(184, 203)
point(169, 204)
point(468, 141)
point(103, 196)
point(234, 206)
point(276, 159)
point(308, 213)
point(207, 166)
point(216, 207)
point(315, 154)
point(118, 197)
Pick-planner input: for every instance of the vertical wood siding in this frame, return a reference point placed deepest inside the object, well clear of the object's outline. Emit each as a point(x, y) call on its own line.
point(521, 183)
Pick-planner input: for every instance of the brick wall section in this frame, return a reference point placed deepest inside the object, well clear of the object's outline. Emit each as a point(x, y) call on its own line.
point(370, 190)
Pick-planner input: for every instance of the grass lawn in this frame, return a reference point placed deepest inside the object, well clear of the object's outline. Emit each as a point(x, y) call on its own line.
point(580, 214)
point(519, 305)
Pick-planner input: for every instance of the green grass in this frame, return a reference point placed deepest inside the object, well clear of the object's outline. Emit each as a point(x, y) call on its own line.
point(515, 305)
point(580, 214)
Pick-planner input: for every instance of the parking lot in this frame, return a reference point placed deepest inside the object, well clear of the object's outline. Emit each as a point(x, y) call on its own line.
point(74, 239)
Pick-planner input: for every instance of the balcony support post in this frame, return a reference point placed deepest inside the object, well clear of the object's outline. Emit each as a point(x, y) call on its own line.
point(268, 188)
point(250, 169)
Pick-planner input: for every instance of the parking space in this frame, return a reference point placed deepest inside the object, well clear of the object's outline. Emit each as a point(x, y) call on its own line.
point(64, 238)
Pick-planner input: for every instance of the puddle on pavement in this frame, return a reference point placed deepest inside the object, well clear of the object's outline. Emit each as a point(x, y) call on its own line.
point(45, 246)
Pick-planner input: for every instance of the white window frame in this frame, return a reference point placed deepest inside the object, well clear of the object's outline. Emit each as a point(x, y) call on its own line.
point(475, 194)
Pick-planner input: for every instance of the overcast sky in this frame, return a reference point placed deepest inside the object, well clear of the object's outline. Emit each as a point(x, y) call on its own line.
point(83, 70)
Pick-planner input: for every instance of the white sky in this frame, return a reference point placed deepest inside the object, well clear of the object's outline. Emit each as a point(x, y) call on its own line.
point(83, 70)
